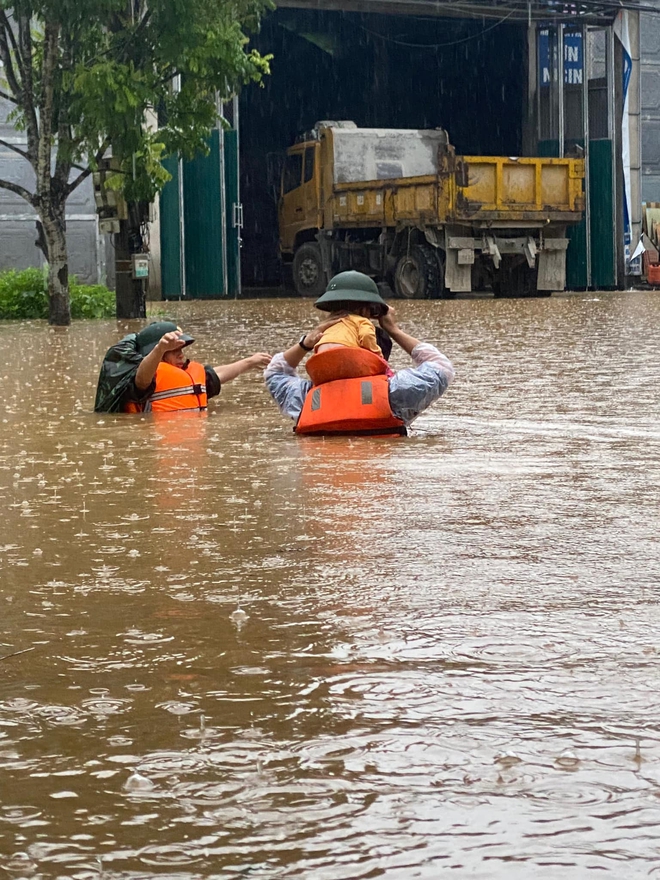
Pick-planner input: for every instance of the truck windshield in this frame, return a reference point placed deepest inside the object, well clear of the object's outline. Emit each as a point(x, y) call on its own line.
point(292, 172)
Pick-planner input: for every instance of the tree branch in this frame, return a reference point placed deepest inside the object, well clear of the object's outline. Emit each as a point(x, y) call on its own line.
point(12, 39)
point(14, 148)
point(18, 190)
point(65, 141)
point(16, 653)
point(5, 55)
point(8, 97)
point(25, 41)
point(87, 171)
point(23, 99)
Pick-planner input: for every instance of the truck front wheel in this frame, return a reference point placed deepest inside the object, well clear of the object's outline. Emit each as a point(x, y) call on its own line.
point(308, 277)
point(417, 273)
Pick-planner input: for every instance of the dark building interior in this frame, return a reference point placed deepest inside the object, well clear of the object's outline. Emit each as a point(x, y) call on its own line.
point(467, 76)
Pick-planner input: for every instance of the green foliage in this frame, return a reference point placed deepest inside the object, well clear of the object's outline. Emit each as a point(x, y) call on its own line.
point(91, 300)
point(141, 75)
point(23, 296)
point(144, 78)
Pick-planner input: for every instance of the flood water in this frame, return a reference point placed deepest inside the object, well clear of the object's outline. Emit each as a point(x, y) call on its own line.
point(247, 654)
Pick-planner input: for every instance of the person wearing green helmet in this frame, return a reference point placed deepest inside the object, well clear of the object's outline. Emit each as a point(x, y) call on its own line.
point(356, 295)
point(409, 391)
point(149, 372)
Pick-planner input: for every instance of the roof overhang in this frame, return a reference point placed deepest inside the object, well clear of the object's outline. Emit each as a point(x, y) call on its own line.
point(594, 12)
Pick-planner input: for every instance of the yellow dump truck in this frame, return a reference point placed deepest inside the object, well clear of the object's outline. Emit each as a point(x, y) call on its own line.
point(402, 207)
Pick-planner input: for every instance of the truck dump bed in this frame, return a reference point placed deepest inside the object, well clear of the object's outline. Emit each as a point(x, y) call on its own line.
point(361, 154)
point(520, 188)
point(390, 177)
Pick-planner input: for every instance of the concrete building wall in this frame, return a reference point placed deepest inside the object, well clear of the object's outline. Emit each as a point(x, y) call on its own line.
point(650, 104)
point(90, 254)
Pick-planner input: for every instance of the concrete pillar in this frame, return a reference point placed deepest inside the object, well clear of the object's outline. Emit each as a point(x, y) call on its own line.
point(650, 104)
point(154, 284)
point(530, 135)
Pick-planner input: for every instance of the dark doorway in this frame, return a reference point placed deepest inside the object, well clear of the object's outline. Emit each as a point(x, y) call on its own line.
point(467, 76)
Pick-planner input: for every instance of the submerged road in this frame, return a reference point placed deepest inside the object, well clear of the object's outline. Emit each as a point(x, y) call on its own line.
point(256, 655)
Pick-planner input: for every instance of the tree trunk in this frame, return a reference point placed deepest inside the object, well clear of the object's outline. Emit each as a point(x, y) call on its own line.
point(59, 307)
point(131, 300)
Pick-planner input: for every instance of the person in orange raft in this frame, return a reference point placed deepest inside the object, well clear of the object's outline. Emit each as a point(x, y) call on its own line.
point(165, 380)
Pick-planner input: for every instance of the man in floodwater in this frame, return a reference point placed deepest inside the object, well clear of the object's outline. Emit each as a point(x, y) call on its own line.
point(354, 395)
point(149, 372)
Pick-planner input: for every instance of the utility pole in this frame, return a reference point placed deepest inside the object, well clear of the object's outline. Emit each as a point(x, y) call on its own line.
point(131, 297)
point(130, 292)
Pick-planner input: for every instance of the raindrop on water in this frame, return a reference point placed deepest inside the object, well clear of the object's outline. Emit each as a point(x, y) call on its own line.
point(568, 760)
point(239, 617)
point(507, 759)
point(137, 782)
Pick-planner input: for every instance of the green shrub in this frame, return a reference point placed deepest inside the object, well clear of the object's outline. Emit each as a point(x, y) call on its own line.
point(91, 300)
point(23, 296)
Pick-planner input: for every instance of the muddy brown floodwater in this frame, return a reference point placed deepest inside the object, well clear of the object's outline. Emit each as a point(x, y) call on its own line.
point(254, 655)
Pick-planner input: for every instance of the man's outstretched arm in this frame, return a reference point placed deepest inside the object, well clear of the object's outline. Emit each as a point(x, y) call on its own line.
point(256, 361)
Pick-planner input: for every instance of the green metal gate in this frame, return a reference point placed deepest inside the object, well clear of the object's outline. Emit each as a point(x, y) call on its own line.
point(200, 223)
point(170, 233)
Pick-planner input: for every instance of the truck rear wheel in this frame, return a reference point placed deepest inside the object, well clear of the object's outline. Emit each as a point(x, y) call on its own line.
point(417, 273)
point(308, 276)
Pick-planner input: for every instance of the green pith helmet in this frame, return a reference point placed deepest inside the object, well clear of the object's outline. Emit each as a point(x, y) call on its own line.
point(149, 338)
point(351, 287)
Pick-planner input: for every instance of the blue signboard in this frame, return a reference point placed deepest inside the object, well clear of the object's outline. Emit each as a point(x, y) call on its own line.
point(573, 52)
point(545, 61)
point(573, 57)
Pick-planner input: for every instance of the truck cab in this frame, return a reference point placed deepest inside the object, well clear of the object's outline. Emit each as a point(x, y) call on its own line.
point(299, 196)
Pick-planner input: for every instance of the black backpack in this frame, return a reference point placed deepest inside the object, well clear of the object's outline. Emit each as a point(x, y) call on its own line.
point(117, 373)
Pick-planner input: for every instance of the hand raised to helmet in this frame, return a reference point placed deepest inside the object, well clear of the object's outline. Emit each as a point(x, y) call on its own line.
point(171, 341)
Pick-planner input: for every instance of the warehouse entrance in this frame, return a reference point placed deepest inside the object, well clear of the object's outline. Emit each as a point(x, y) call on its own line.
point(515, 79)
point(466, 76)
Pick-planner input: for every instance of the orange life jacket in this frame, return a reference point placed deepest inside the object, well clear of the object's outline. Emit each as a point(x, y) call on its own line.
point(349, 395)
point(344, 363)
point(176, 389)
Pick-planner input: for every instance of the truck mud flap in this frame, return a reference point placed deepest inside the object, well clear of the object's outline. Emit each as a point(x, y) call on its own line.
point(458, 265)
point(551, 262)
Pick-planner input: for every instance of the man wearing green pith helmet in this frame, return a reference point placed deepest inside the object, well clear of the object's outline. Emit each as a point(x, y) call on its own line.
point(410, 391)
point(149, 372)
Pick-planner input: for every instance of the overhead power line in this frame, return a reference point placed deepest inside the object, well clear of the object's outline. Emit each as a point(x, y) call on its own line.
point(583, 11)
point(438, 45)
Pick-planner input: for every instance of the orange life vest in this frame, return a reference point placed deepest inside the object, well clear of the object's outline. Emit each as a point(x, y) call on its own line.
point(175, 389)
point(349, 395)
